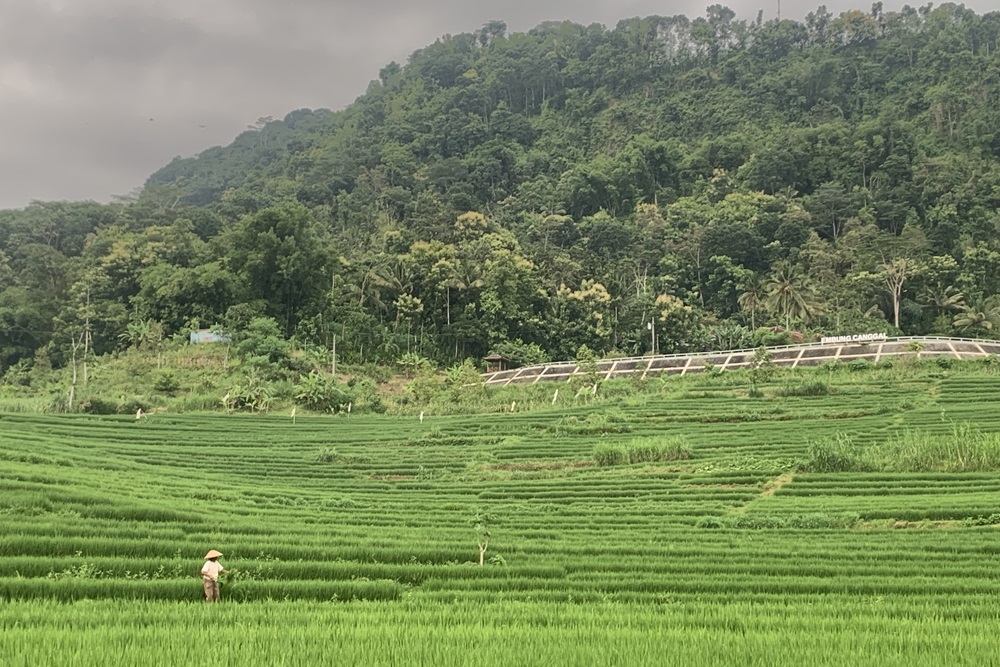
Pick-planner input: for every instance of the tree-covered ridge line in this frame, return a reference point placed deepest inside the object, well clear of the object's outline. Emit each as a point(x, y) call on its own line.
point(532, 193)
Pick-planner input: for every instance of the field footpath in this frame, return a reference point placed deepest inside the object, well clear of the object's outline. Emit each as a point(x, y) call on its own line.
point(770, 488)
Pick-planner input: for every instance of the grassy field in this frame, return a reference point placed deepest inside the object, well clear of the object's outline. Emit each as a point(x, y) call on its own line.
point(354, 537)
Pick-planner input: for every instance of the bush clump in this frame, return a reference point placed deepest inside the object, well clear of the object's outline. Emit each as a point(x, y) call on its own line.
point(167, 383)
point(841, 454)
point(98, 406)
point(610, 455)
point(816, 388)
point(965, 449)
point(711, 523)
point(322, 392)
point(643, 450)
point(991, 520)
point(94, 405)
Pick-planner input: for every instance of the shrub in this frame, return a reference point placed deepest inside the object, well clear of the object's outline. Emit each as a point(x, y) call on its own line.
point(167, 383)
point(767, 337)
point(833, 365)
point(321, 392)
point(991, 520)
point(413, 364)
point(425, 387)
point(521, 353)
point(815, 388)
point(129, 406)
point(464, 383)
point(327, 455)
point(669, 448)
point(366, 395)
point(963, 450)
point(838, 455)
point(378, 374)
point(198, 402)
point(586, 360)
point(859, 365)
point(19, 373)
point(262, 347)
point(93, 405)
point(643, 450)
point(463, 374)
point(761, 369)
point(97, 406)
point(758, 521)
point(944, 362)
point(610, 455)
point(254, 394)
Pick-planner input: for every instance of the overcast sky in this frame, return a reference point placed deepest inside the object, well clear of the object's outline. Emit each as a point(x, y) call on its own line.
point(97, 94)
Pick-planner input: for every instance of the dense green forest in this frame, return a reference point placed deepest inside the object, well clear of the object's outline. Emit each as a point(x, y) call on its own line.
point(532, 193)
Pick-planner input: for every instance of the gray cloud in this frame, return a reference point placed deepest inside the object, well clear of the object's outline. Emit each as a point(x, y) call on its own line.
point(80, 80)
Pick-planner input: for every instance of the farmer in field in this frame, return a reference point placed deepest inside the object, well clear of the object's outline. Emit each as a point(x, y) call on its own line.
point(210, 572)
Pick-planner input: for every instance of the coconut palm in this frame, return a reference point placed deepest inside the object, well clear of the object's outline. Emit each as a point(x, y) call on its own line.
point(752, 297)
point(789, 294)
point(984, 316)
point(943, 299)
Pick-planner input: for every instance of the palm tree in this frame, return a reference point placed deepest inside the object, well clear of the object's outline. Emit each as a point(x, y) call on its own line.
point(375, 275)
point(462, 274)
point(984, 316)
point(789, 294)
point(752, 297)
point(943, 299)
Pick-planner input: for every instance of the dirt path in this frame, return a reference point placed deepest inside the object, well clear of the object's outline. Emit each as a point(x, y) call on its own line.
point(769, 490)
point(771, 487)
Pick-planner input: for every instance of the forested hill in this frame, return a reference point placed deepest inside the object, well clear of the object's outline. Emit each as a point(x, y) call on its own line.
point(535, 192)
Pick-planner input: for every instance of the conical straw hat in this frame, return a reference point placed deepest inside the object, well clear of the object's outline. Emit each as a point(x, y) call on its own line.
point(213, 554)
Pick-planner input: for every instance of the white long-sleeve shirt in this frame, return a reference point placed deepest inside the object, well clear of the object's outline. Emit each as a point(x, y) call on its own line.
point(212, 569)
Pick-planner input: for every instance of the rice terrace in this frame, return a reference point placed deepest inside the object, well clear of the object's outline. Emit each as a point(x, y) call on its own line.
point(839, 515)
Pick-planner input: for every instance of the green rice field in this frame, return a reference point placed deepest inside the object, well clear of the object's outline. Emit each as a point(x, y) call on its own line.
point(354, 538)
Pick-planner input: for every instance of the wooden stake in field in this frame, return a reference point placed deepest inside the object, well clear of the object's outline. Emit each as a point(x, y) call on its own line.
point(421, 416)
point(293, 415)
point(512, 405)
point(555, 396)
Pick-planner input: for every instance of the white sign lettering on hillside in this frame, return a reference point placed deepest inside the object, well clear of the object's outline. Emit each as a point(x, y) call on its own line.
point(852, 338)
